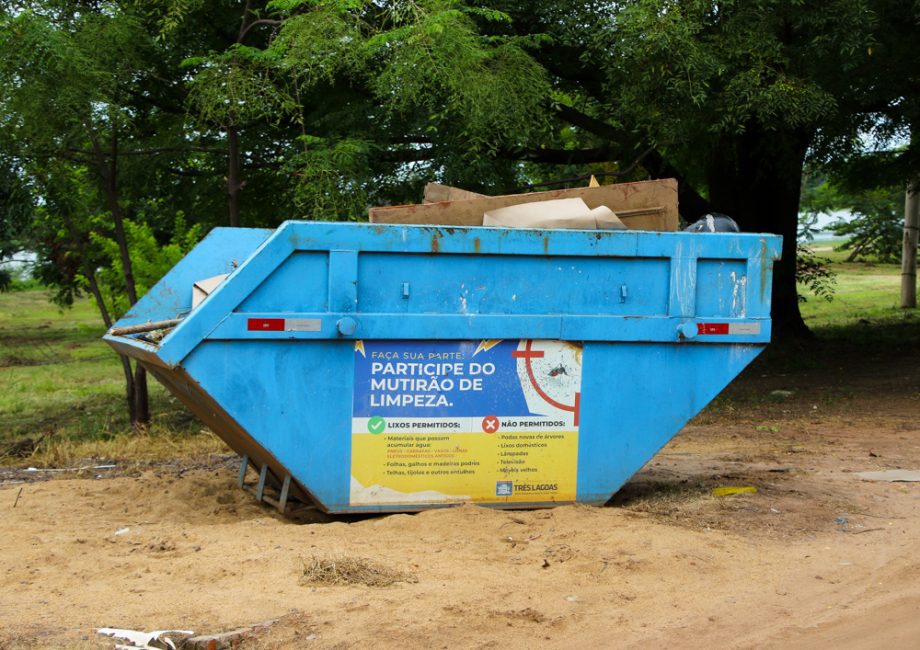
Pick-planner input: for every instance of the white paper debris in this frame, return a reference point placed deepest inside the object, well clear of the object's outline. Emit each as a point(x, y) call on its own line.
point(557, 213)
point(139, 639)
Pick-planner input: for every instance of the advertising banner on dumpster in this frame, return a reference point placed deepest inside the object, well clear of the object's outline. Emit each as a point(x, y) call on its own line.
point(453, 421)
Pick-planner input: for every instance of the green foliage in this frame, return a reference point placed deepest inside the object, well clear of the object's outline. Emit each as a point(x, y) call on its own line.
point(236, 86)
point(819, 195)
point(169, 15)
point(322, 43)
point(441, 66)
point(325, 171)
point(435, 93)
point(21, 281)
point(18, 205)
point(344, 102)
point(151, 259)
point(698, 66)
point(878, 227)
point(57, 83)
point(16, 213)
point(814, 274)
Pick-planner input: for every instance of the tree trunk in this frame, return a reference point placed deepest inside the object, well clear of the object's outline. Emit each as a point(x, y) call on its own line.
point(909, 251)
point(118, 219)
point(136, 384)
point(755, 178)
point(141, 401)
point(137, 390)
point(90, 275)
point(234, 184)
point(130, 392)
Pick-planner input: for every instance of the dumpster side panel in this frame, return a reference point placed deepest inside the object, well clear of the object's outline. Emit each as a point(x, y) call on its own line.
point(199, 402)
point(637, 396)
point(721, 288)
point(511, 284)
point(294, 399)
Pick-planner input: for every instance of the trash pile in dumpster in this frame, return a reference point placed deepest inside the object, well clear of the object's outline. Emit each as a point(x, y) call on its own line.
point(645, 205)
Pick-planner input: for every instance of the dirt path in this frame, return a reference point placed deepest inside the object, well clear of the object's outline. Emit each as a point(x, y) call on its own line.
point(816, 558)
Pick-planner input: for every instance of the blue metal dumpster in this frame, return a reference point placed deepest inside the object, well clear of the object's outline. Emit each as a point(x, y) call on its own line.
point(396, 368)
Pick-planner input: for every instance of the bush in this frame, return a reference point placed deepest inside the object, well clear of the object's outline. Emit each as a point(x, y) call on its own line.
point(878, 226)
point(150, 259)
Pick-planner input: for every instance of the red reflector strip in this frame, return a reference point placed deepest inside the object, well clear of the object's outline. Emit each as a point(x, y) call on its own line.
point(735, 329)
point(265, 324)
point(712, 328)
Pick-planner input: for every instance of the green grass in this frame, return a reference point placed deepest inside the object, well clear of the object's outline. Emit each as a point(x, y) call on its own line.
point(864, 292)
point(58, 379)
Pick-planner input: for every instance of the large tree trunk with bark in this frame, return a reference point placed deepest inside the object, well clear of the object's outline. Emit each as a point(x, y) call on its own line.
point(755, 178)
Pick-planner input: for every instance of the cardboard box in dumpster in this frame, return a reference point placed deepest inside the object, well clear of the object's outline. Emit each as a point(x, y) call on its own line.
point(644, 205)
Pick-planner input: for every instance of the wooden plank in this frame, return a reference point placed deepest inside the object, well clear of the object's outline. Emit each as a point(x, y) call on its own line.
point(435, 192)
point(644, 205)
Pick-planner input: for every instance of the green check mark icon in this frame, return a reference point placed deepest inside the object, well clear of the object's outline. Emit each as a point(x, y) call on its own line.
point(376, 424)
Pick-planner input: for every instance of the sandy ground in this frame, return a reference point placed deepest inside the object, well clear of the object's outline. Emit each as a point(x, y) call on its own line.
point(816, 558)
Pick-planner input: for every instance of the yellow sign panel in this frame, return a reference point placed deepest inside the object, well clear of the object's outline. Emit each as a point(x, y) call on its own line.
point(517, 466)
point(456, 421)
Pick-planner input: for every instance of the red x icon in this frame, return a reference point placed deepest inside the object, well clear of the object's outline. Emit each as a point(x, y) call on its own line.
point(490, 424)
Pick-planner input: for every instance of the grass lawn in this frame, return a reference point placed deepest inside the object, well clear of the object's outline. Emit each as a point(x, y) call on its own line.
point(866, 293)
point(59, 380)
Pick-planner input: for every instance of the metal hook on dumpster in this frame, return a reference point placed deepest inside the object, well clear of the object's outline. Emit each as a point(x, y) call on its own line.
point(687, 331)
point(346, 326)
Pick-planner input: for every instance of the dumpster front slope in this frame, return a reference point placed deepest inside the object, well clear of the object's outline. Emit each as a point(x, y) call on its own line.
point(220, 253)
point(661, 388)
point(396, 368)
